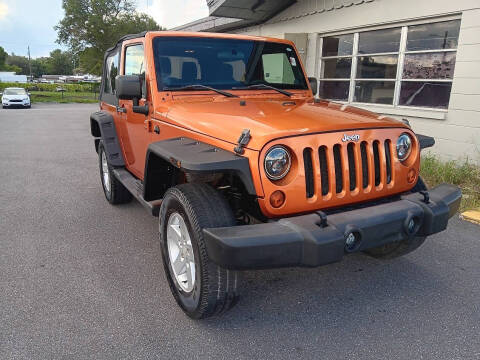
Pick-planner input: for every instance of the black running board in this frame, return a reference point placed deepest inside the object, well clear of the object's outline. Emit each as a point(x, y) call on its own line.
point(136, 189)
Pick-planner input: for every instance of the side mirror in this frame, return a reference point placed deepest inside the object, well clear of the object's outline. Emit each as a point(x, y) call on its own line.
point(313, 84)
point(128, 87)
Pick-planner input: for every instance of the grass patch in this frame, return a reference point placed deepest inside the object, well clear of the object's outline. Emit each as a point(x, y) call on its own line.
point(463, 174)
point(68, 97)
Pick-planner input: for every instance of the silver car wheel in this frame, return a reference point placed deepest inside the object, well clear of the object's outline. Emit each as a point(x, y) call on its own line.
point(106, 173)
point(180, 252)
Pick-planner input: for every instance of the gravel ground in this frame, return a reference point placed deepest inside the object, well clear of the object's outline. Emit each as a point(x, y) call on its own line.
point(83, 279)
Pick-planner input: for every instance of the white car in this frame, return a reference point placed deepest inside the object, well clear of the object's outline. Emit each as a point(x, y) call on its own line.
point(15, 97)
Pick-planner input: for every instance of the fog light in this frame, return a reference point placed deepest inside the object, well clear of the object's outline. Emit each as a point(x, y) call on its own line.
point(411, 226)
point(277, 199)
point(352, 241)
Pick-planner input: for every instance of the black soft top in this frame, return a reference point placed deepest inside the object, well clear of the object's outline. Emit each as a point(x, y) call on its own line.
point(127, 37)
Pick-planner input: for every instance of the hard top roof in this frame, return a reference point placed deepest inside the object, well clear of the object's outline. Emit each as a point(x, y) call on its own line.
point(195, 34)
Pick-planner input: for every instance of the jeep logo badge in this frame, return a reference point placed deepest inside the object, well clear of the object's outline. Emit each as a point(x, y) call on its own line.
point(354, 137)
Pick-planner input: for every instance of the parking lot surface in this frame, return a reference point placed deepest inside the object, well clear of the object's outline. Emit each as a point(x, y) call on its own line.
point(81, 279)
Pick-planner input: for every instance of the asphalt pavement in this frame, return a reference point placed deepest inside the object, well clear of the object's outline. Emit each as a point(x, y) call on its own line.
point(81, 279)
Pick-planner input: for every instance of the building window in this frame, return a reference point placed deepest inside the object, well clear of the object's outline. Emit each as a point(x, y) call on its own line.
point(406, 66)
point(336, 67)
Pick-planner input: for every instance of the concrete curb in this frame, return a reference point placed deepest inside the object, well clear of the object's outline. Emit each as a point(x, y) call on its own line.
point(471, 215)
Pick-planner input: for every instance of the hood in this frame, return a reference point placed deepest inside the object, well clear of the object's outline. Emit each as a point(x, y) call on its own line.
point(269, 119)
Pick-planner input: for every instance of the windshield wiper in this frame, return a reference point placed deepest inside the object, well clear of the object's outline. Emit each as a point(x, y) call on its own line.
point(265, 86)
point(200, 87)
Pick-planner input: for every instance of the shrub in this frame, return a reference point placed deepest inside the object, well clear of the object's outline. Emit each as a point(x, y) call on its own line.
point(79, 87)
point(464, 174)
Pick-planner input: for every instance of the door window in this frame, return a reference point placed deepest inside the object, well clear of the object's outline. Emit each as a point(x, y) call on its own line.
point(134, 64)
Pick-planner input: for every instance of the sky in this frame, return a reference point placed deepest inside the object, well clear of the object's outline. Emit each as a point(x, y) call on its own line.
point(31, 22)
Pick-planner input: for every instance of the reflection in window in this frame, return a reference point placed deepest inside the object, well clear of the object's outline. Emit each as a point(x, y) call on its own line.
point(334, 90)
point(337, 45)
point(424, 79)
point(134, 60)
point(425, 94)
point(377, 92)
point(379, 41)
point(337, 68)
point(111, 71)
point(429, 66)
point(377, 67)
point(442, 35)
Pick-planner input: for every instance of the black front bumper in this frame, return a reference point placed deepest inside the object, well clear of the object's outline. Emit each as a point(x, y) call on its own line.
point(307, 240)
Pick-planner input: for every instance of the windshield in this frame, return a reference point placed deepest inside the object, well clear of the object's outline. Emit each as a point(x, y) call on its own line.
point(225, 63)
point(14, 92)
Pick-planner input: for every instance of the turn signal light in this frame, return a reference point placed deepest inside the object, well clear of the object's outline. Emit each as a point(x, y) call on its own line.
point(411, 176)
point(277, 199)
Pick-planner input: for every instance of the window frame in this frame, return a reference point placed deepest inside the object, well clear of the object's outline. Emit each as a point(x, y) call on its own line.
point(402, 52)
point(125, 56)
point(124, 65)
point(110, 98)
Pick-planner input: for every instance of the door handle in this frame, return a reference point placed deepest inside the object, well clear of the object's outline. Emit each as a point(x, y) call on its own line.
point(121, 109)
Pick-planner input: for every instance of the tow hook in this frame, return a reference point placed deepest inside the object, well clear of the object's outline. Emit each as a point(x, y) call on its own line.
point(243, 140)
point(323, 219)
point(426, 196)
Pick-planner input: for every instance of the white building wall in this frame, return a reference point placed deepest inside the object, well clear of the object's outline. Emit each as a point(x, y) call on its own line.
point(456, 130)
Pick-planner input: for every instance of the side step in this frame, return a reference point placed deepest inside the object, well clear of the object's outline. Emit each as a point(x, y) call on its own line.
point(136, 189)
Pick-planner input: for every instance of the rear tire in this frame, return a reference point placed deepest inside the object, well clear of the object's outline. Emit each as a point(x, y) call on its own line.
point(397, 249)
point(114, 191)
point(209, 289)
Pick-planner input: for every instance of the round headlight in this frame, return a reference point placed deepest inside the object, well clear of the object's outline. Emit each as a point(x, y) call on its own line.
point(404, 146)
point(277, 162)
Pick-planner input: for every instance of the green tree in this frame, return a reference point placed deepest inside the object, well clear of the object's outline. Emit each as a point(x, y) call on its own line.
point(40, 66)
point(21, 62)
point(3, 57)
point(90, 27)
point(4, 65)
point(60, 63)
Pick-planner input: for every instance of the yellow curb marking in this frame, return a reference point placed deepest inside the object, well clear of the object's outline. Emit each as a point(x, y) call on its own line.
point(472, 216)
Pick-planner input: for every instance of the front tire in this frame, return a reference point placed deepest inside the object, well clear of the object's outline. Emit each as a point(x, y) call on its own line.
point(199, 286)
point(114, 191)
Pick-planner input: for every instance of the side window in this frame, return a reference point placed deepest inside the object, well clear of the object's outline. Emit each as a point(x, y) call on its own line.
point(111, 71)
point(277, 68)
point(134, 64)
point(134, 60)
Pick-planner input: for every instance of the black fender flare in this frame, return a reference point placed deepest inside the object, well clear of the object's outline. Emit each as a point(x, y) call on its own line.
point(193, 156)
point(102, 127)
point(425, 141)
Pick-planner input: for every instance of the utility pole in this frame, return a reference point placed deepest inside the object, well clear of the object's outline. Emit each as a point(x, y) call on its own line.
point(30, 63)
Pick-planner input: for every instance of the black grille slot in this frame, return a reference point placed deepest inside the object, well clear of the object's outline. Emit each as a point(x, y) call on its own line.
point(338, 168)
point(388, 161)
point(363, 153)
point(352, 166)
point(376, 162)
point(322, 154)
point(307, 161)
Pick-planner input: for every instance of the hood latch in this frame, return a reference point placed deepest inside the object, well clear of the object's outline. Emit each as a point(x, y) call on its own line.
point(243, 140)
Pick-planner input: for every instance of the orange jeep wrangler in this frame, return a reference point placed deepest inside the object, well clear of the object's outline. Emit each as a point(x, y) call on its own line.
point(221, 137)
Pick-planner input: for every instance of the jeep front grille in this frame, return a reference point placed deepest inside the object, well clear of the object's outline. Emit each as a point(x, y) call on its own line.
point(347, 167)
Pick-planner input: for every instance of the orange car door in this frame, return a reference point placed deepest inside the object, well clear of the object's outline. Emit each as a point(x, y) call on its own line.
point(135, 124)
